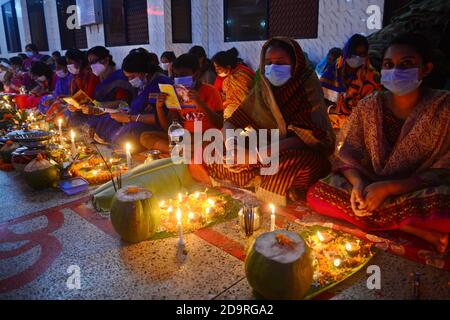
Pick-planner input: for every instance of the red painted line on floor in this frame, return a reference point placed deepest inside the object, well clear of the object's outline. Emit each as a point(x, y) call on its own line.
point(222, 242)
point(94, 218)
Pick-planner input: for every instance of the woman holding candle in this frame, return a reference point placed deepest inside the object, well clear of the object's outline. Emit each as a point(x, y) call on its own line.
point(392, 164)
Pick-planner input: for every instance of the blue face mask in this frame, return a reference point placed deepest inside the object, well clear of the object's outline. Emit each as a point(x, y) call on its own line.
point(278, 75)
point(401, 81)
point(184, 81)
point(29, 54)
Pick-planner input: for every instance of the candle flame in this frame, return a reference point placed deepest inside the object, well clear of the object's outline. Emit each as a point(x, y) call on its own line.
point(348, 247)
point(128, 147)
point(272, 208)
point(162, 204)
point(337, 262)
point(180, 197)
point(211, 202)
point(170, 209)
point(320, 236)
point(95, 172)
point(72, 134)
point(191, 216)
point(179, 215)
point(208, 210)
point(197, 195)
point(60, 121)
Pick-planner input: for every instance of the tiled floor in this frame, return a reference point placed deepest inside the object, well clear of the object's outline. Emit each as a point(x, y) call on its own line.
point(111, 269)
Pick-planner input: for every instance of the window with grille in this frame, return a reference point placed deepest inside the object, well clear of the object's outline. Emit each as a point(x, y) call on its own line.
point(125, 22)
point(70, 38)
point(181, 21)
point(36, 19)
point(248, 20)
point(11, 27)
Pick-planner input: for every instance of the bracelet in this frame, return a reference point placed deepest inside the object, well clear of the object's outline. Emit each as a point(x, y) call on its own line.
point(137, 118)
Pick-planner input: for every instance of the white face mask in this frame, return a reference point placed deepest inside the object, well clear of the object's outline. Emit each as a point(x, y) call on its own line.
point(98, 68)
point(278, 75)
point(356, 61)
point(401, 81)
point(137, 82)
point(61, 73)
point(72, 69)
point(165, 66)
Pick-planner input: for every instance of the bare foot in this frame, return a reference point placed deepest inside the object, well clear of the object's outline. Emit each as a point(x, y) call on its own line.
point(438, 239)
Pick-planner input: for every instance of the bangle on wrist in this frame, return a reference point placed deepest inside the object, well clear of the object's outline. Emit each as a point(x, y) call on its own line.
point(138, 117)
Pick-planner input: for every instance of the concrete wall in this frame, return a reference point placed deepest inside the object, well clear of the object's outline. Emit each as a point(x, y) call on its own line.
point(338, 20)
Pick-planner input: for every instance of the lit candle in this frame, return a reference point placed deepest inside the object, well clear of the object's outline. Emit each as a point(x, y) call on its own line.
point(352, 249)
point(72, 137)
point(191, 216)
point(180, 230)
point(170, 209)
point(128, 152)
point(60, 129)
point(272, 218)
point(197, 195)
point(95, 172)
point(211, 202)
point(337, 263)
point(320, 236)
point(180, 197)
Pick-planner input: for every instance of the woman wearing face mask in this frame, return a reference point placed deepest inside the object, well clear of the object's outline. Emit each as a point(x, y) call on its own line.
point(144, 77)
point(393, 158)
point(112, 91)
point(287, 97)
point(207, 72)
point(357, 77)
point(167, 59)
point(82, 79)
point(33, 55)
point(237, 79)
point(206, 108)
point(53, 106)
point(43, 76)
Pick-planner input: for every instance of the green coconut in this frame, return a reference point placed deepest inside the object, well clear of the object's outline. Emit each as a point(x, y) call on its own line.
point(133, 215)
point(40, 174)
point(279, 266)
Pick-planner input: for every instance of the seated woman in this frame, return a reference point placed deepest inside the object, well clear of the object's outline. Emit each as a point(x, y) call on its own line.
point(207, 73)
point(237, 80)
point(82, 79)
point(43, 76)
point(355, 78)
point(207, 105)
point(113, 90)
point(329, 77)
point(392, 166)
point(330, 60)
point(167, 59)
point(53, 106)
point(18, 77)
point(287, 97)
point(144, 76)
point(33, 55)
